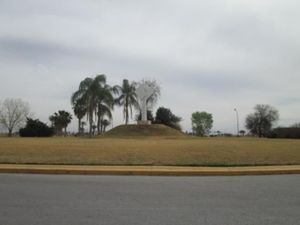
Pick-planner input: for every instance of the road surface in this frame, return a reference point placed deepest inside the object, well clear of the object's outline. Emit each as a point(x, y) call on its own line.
point(118, 200)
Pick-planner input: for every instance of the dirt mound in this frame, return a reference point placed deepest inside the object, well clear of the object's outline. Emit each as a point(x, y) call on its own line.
point(154, 130)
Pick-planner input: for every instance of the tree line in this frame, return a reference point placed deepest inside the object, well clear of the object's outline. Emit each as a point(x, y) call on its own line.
point(259, 123)
point(94, 101)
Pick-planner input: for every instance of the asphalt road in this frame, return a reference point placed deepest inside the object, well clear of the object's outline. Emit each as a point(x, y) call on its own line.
point(115, 200)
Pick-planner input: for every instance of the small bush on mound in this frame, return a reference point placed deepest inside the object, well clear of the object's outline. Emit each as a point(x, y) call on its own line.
point(36, 128)
point(166, 117)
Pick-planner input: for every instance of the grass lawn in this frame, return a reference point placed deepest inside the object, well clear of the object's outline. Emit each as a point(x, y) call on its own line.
point(183, 151)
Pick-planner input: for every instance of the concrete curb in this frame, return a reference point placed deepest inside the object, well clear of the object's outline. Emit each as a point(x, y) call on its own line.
point(149, 170)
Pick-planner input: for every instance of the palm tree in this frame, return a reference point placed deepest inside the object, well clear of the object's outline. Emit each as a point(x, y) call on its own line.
point(60, 121)
point(88, 93)
point(97, 100)
point(66, 119)
point(79, 110)
point(103, 110)
point(105, 103)
point(127, 98)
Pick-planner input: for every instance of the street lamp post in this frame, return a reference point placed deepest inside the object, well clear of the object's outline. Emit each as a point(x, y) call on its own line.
point(237, 122)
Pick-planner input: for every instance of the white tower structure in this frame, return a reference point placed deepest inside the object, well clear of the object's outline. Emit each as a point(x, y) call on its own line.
point(144, 92)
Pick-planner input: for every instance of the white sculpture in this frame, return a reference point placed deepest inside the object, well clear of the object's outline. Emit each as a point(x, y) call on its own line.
point(144, 92)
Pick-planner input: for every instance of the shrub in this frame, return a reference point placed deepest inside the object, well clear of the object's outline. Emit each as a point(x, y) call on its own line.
point(166, 117)
point(36, 128)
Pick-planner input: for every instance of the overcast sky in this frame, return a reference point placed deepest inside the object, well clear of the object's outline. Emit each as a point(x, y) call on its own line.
point(210, 56)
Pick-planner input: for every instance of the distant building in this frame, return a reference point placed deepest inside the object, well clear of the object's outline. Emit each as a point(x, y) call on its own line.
point(288, 132)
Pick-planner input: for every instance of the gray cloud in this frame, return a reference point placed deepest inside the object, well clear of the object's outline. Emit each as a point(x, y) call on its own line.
point(207, 55)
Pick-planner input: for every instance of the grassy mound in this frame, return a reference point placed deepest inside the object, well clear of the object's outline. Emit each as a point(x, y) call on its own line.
point(154, 130)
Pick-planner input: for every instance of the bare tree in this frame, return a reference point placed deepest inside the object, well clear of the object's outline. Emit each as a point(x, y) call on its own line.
point(13, 113)
point(262, 120)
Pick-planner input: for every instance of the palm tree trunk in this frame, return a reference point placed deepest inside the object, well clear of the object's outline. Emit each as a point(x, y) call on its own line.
point(91, 123)
point(79, 125)
point(126, 113)
point(99, 121)
point(98, 124)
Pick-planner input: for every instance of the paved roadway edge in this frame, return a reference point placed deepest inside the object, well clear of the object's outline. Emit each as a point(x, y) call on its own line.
point(149, 170)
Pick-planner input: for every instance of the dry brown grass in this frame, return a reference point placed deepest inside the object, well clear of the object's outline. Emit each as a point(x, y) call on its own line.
point(150, 151)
